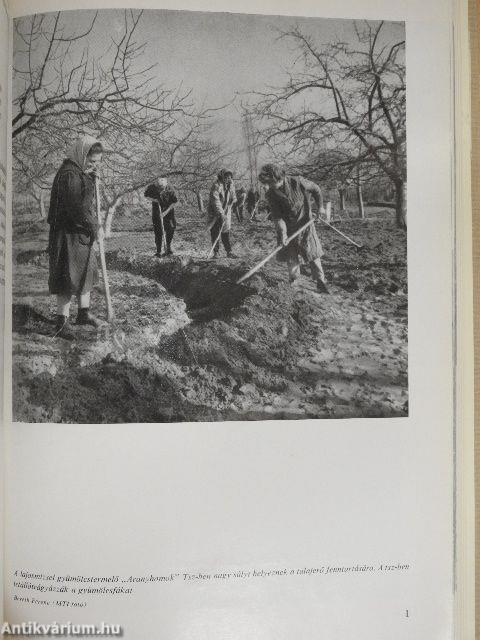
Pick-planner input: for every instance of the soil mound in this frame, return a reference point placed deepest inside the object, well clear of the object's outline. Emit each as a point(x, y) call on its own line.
point(208, 288)
point(188, 343)
point(26, 320)
point(31, 256)
point(106, 392)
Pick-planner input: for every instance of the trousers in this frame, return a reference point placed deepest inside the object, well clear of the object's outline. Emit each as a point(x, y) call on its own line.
point(63, 303)
point(169, 224)
point(225, 237)
point(315, 266)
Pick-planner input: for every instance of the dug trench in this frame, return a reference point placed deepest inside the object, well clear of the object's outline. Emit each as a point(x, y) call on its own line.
point(240, 342)
point(214, 366)
point(189, 344)
point(208, 288)
point(260, 349)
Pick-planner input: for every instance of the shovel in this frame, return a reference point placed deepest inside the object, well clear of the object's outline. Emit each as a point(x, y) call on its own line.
point(210, 253)
point(103, 262)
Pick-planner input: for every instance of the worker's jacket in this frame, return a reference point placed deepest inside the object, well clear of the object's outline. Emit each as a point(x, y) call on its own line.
point(220, 204)
point(73, 228)
point(292, 204)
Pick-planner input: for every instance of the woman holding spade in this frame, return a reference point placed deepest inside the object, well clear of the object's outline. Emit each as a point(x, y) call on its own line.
point(73, 230)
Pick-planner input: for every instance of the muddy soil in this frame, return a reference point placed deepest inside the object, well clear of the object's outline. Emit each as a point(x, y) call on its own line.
point(189, 344)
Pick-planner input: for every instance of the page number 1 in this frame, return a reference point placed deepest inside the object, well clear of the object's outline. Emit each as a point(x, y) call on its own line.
point(407, 615)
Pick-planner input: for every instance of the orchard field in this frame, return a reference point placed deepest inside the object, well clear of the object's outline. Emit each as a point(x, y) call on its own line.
point(188, 344)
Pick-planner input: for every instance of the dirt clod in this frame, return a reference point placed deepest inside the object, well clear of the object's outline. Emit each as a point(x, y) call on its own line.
point(190, 344)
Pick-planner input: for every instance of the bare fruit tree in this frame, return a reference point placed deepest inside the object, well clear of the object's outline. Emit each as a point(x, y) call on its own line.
point(341, 169)
point(67, 82)
point(345, 96)
point(56, 73)
point(179, 151)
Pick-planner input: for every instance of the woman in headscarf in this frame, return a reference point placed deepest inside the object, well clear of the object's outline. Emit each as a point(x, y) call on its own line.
point(73, 231)
point(289, 200)
point(220, 204)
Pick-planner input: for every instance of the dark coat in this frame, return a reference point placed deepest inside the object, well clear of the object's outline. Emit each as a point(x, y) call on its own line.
point(251, 199)
point(162, 199)
point(73, 229)
point(291, 203)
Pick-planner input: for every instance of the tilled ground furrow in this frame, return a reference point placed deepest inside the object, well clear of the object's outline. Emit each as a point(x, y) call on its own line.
point(190, 344)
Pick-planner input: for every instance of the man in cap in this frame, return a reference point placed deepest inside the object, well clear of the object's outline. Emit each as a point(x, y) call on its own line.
point(163, 199)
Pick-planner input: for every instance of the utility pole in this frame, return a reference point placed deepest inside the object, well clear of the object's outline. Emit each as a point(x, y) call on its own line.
point(250, 144)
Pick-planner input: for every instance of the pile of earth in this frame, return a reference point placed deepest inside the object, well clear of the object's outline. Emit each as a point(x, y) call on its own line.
point(188, 343)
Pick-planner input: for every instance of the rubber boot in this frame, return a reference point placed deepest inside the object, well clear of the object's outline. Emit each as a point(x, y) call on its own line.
point(321, 286)
point(318, 273)
point(63, 328)
point(226, 243)
point(85, 317)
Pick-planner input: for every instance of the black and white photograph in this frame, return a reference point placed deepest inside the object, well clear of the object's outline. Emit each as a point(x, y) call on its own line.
point(209, 217)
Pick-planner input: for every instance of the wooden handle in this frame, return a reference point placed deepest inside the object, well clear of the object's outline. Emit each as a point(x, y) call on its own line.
point(210, 253)
point(340, 233)
point(103, 262)
point(164, 240)
point(270, 255)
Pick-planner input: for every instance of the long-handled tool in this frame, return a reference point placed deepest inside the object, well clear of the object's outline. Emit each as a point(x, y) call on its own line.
point(254, 211)
point(210, 253)
point(164, 239)
point(270, 255)
point(200, 204)
point(103, 262)
point(359, 246)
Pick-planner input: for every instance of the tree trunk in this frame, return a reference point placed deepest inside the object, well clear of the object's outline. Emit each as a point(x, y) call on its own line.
point(43, 212)
point(341, 193)
point(328, 211)
point(109, 218)
point(361, 208)
point(401, 204)
point(201, 207)
point(38, 195)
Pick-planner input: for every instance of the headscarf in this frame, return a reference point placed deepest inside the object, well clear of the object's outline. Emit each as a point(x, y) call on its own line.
point(78, 152)
point(271, 172)
point(223, 173)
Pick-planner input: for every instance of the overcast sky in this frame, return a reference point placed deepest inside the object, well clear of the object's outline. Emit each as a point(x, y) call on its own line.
point(219, 55)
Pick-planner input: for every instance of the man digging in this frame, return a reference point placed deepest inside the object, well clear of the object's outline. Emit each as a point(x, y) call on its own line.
point(163, 199)
point(289, 200)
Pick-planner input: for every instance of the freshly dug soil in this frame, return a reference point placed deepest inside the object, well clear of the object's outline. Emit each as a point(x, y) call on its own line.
point(189, 344)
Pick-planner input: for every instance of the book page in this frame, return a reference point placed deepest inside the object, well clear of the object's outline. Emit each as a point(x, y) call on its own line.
point(4, 162)
point(236, 454)
point(474, 32)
